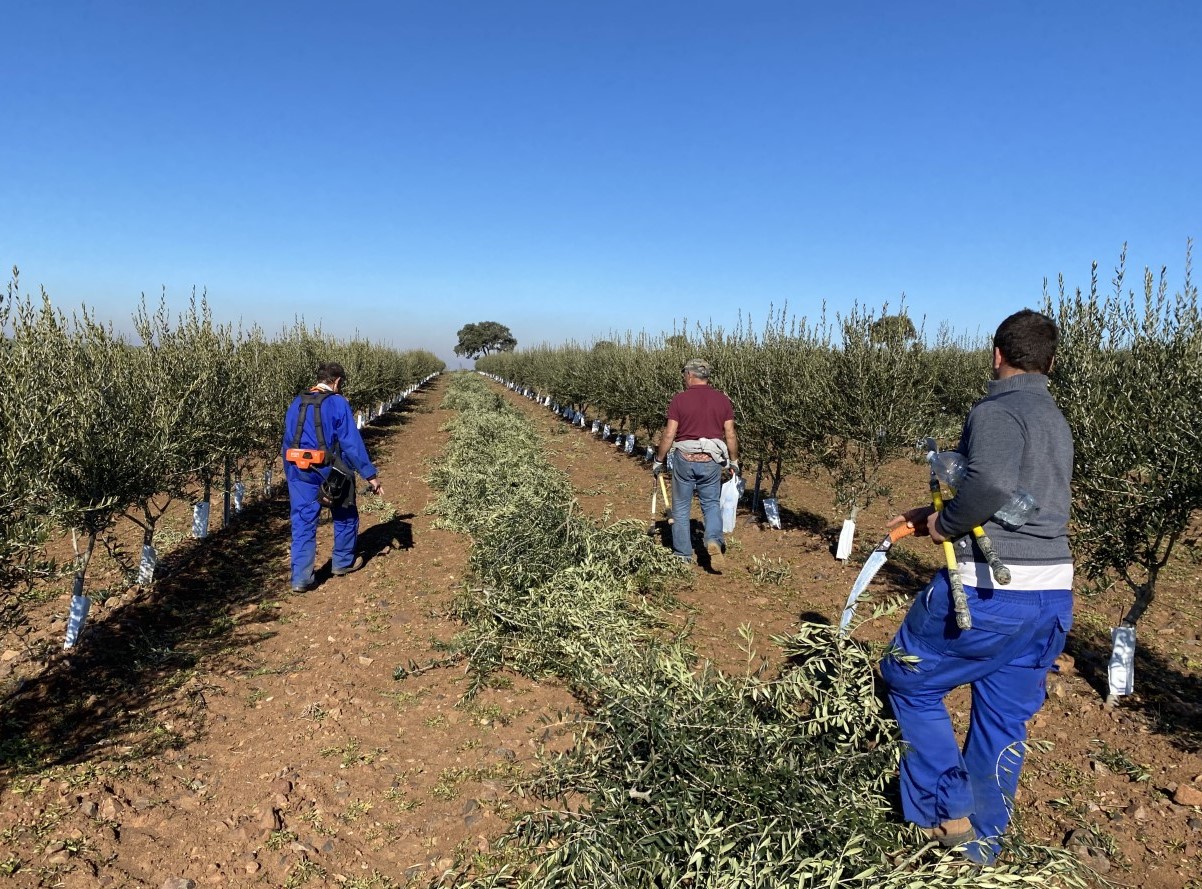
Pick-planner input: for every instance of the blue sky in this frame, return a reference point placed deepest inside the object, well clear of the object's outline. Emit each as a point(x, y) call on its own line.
point(572, 169)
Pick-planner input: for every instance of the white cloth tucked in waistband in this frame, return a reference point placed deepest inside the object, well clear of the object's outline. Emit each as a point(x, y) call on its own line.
point(1022, 577)
point(715, 448)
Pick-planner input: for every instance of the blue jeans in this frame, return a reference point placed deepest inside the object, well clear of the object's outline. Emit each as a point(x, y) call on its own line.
point(1016, 635)
point(706, 479)
point(302, 495)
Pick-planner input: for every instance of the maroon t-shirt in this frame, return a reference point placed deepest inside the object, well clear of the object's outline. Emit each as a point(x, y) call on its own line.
point(701, 412)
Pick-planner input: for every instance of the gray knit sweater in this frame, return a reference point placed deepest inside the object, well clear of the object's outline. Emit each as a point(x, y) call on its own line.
point(1016, 438)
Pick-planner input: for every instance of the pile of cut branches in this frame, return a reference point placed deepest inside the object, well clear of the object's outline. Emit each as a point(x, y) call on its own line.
point(679, 775)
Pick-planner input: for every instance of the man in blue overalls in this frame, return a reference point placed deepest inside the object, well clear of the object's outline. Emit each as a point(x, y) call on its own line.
point(322, 442)
point(1014, 440)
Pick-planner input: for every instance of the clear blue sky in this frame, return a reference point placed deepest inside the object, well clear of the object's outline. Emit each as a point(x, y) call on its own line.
point(572, 168)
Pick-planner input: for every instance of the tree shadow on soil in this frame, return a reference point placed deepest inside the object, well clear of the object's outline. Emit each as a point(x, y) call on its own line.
point(132, 672)
point(810, 522)
point(1166, 696)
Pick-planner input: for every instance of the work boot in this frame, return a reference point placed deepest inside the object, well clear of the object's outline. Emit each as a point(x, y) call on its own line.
point(353, 566)
point(955, 832)
point(304, 587)
point(717, 557)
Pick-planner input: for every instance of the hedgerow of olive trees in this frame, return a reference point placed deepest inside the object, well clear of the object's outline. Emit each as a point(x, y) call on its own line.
point(98, 426)
point(806, 397)
point(1127, 376)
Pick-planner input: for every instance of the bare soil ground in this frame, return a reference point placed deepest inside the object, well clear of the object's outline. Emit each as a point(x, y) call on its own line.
point(224, 731)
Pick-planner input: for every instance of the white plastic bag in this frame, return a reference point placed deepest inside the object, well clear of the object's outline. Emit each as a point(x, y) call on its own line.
point(728, 500)
point(200, 519)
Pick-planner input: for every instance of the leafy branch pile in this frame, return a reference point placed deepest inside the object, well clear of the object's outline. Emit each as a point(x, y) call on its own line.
point(547, 572)
point(679, 775)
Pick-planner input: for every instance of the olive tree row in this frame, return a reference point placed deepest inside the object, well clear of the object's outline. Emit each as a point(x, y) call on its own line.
point(99, 425)
point(841, 396)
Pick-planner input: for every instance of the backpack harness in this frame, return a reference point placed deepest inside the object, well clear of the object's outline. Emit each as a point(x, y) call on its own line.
point(309, 458)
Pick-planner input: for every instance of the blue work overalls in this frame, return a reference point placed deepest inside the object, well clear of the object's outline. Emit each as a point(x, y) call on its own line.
point(1016, 636)
point(340, 431)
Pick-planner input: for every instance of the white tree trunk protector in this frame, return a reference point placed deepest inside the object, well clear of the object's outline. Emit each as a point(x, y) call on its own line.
point(846, 536)
point(200, 519)
point(150, 561)
point(267, 482)
point(239, 495)
point(77, 617)
point(772, 512)
point(1121, 672)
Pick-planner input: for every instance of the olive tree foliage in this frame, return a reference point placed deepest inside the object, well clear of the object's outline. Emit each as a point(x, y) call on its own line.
point(773, 377)
point(1127, 376)
point(877, 399)
point(483, 338)
point(892, 329)
point(842, 399)
point(36, 402)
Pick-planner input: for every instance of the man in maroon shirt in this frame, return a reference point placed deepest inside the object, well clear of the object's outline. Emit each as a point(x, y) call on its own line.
point(700, 433)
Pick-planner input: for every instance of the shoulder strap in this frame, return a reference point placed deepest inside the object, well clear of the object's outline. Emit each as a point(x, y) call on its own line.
point(313, 397)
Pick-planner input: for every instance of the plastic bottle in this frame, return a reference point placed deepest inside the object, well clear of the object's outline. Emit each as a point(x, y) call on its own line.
point(1020, 510)
point(949, 467)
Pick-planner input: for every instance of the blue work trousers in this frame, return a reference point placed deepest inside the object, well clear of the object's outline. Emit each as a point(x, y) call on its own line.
point(706, 479)
point(302, 492)
point(1016, 635)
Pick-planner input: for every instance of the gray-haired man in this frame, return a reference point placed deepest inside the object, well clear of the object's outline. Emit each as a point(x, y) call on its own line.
point(701, 432)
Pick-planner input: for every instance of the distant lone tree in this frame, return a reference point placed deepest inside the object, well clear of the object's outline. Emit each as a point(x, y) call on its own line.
point(484, 338)
point(892, 329)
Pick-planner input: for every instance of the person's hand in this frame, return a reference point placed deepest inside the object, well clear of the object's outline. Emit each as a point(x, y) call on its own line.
point(933, 529)
point(917, 518)
point(735, 467)
point(376, 487)
point(657, 468)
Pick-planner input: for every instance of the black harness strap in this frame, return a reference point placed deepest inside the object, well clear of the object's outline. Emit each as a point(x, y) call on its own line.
point(313, 398)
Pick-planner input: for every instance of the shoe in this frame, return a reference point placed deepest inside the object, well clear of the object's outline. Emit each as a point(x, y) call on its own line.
point(717, 557)
point(353, 566)
point(951, 834)
point(305, 587)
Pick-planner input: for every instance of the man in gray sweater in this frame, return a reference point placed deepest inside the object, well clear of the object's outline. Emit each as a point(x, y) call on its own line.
point(1015, 440)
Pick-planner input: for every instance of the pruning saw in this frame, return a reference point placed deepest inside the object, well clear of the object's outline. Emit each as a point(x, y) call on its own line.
point(872, 565)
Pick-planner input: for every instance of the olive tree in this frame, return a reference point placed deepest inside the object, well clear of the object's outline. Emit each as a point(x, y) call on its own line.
point(33, 406)
point(1127, 376)
point(878, 399)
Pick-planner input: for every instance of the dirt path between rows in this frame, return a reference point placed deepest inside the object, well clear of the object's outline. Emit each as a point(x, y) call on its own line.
point(258, 737)
point(223, 731)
